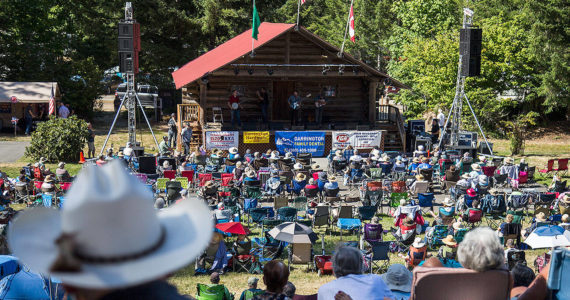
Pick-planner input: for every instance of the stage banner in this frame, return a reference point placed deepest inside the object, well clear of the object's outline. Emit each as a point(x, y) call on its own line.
point(222, 140)
point(256, 137)
point(301, 142)
point(357, 139)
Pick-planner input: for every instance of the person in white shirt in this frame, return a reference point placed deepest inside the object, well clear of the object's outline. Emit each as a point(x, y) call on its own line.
point(440, 118)
point(63, 111)
point(356, 157)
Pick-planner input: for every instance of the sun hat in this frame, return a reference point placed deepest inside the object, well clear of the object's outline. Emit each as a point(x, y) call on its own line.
point(540, 217)
point(465, 176)
point(448, 202)
point(482, 158)
point(37, 165)
point(476, 167)
point(565, 198)
point(375, 152)
point(300, 176)
point(121, 154)
point(315, 166)
point(251, 173)
point(415, 160)
point(483, 180)
point(449, 240)
point(418, 242)
point(338, 153)
point(288, 155)
point(43, 160)
point(508, 160)
point(457, 225)
point(298, 166)
point(239, 164)
point(252, 280)
point(332, 178)
point(420, 177)
point(403, 202)
point(209, 184)
point(398, 277)
point(421, 148)
point(166, 164)
point(471, 192)
point(81, 246)
point(408, 222)
point(311, 181)
point(61, 165)
point(49, 178)
point(233, 150)
point(274, 155)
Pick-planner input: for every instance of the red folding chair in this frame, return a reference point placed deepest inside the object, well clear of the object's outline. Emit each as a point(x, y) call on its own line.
point(170, 174)
point(64, 186)
point(226, 178)
point(549, 168)
point(489, 171)
point(562, 166)
point(189, 175)
point(203, 178)
point(38, 174)
point(38, 185)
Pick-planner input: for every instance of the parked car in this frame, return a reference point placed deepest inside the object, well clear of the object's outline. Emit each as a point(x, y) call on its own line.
point(146, 93)
point(110, 83)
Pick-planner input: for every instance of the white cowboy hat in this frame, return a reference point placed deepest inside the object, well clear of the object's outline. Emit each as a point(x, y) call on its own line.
point(315, 167)
point(476, 167)
point(300, 177)
point(375, 152)
point(288, 155)
point(416, 160)
point(298, 166)
point(274, 155)
point(418, 243)
point(251, 173)
point(97, 241)
point(61, 165)
point(482, 158)
point(166, 163)
point(448, 202)
point(398, 278)
point(233, 150)
point(421, 148)
point(274, 184)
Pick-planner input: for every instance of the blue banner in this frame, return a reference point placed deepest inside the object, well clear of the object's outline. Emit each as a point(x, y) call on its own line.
point(301, 142)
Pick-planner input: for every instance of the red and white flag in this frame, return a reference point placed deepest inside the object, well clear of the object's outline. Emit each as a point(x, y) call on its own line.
point(303, 2)
point(51, 109)
point(351, 25)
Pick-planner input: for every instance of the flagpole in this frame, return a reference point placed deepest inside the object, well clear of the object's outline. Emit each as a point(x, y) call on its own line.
point(298, 11)
point(345, 31)
point(252, 29)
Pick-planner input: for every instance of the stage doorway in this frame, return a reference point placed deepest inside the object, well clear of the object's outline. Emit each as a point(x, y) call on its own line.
point(281, 92)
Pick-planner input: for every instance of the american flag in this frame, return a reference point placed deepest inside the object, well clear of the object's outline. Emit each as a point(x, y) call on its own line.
point(51, 109)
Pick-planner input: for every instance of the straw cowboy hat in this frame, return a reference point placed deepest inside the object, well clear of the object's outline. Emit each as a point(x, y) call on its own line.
point(398, 277)
point(49, 178)
point(250, 173)
point(420, 177)
point(81, 246)
point(448, 202)
point(315, 167)
point(415, 160)
point(233, 150)
point(375, 152)
point(298, 166)
point(565, 199)
point(418, 243)
point(457, 225)
point(449, 240)
point(332, 178)
point(508, 160)
point(209, 184)
point(540, 217)
point(300, 177)
point(476, 167)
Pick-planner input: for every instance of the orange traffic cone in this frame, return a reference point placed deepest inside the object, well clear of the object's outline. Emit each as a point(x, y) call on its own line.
point(81, 158)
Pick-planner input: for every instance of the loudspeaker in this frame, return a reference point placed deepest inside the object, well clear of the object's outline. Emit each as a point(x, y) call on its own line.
point(126, 44)
point(138, 151)
point(470, 51)
point(147, 164)
point(126, 29)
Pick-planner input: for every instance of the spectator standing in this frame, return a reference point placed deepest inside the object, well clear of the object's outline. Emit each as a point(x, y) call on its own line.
point(29, 118)
point(275, 277)
point(348, 270)
point(186, 138)
point(63, 111)
point(90, 141)
point(434, 131)
point(440, 118)
point(172, 131)
point(252, 290)
point(235, 106)
point(163, 147)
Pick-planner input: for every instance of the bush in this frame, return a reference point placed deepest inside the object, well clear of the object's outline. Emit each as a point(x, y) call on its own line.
point(58, 139)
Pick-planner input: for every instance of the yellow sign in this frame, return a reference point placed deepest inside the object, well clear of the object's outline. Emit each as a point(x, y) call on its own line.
point(256, 137)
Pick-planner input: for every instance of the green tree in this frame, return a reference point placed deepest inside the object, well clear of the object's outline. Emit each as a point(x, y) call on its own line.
point(58, 139)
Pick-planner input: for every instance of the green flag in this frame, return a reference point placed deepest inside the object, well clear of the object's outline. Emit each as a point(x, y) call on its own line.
point(256, 23)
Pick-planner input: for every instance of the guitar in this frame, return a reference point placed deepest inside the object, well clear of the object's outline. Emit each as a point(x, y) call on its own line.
point(296, 105)
point(320, 103)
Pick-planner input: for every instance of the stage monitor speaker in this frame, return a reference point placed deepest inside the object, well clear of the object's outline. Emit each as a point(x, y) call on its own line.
point(470, 51)
point(483, 149)
point(147, 164)
point(416, 127)
point(139, 151)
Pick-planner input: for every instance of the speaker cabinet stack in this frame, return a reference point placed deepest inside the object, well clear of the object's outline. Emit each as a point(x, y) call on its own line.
point(470, 51)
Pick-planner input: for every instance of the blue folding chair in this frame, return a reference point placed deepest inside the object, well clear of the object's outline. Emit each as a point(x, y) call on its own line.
point(425, 200)
point(559, 274)
point(47, 200)
point(348, 224)
point(61, 201)
point(249, 203)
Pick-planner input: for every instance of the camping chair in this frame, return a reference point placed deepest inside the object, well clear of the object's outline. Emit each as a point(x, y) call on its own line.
point(447, 217)
point(395, 199)
point(183, 182)
point(416, 256)
point(439, 233)
point(173, 189)
point(300, 203)
point(500, 180)
point(460, 234)
point(425, 200)
point(465, 167)
point(459, 283)
point(170, 174)
point(562, 167)
point(515, 256)
point(288, 214)
point(242, 260)
point(260, 163)
point(64, 186)
point(489, 171)
point(558, 278)
point(428, 174)
point(142, 177)
point(512, 232)
point(348, 224)
point(375, 173)
point(321, 217)
point(280, 201)
point(419, 187)
point(474, 218)
point(210, 292)
point(311, 193)
point(372, 233)
point(47, 199)
point(345, 212)
point(226, 178)
point(252, 191)
point(300, 254)
point(549, 168)
point(203, 178)
point(22, 193)
point(379, 260)
point(160, 184)
point(366, 213)
point(399, 186)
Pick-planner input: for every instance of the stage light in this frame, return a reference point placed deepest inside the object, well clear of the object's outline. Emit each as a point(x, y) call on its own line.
point(250, 71)
point(341, 70)
point(236, 70)
point(325, 70)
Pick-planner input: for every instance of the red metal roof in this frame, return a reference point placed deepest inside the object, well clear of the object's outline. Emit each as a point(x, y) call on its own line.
point(227, 52)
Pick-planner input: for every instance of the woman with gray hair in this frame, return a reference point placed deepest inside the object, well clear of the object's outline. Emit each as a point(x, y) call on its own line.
point(348, 267)
point(481, 250)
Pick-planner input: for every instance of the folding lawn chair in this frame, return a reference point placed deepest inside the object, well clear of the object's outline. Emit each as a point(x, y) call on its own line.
point(549, 168)
point(183, 182)
point(439, 233)
point(243, 259)
point(170, 174)
point(280, 201)
point(366, 213)
point(425, 200)
point(300, 254)
point(203, 178)
point(460, 234)
point(348, 224)
point(288, 214)
point(160, 184)
point(372, 233)
point(210, 292)
point(300, 203)
point(379, 260)
point(321, 217)
point(47, 200)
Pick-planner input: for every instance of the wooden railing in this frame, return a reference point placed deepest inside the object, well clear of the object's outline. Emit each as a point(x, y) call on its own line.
point(391, 114)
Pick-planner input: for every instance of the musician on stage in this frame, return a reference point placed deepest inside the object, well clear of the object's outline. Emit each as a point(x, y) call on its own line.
point(295, 106)
point(320, 103)
point(235, 106)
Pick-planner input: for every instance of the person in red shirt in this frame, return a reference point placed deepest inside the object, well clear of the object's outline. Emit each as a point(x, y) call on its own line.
point(234, 105)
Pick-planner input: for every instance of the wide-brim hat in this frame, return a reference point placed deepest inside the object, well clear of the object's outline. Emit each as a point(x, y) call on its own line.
point(49, 178)
point(476, 167)
point(508, 160)
point(483, 180)
point(85, 232)
point(315, 167)
point(209, 184)
point(298, 166)
point(332, 178)
point(465, 176)
point(338, 153)
point(494, 192)
point(418, 242)
point(43, 160)
point(415, 160)
point(420, 177)
point(540, 217)
point(383, 159)
point(482, 158)
point(375, 152)
point(288, 155)
point(233, 150)
point(449, 240)
point(274, 185)
point(300, 177)
point(448, 202)
point(398, 278)
point(471, 192)
point(61, 165)
point(565, 199)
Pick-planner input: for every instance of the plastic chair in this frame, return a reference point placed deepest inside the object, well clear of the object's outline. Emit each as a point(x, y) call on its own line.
point(379, 260)
point(183, 182)
point(170, 174)
point(161, 184)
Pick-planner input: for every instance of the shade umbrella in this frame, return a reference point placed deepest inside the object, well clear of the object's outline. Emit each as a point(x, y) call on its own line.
point(293, 232)
point(548, 237)
point(231, 227)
